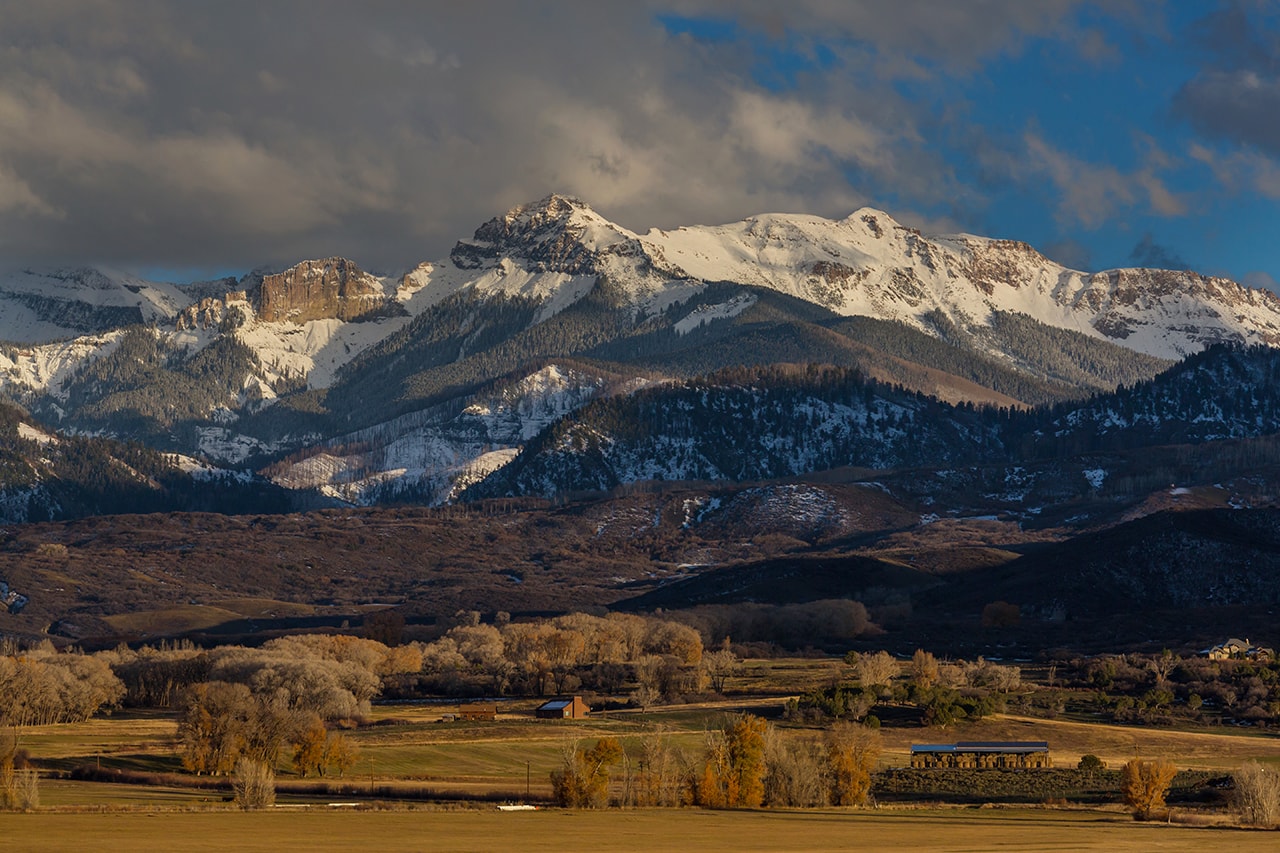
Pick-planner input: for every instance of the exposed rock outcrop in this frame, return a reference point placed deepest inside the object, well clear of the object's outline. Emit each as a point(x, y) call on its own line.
point(334, 288)
point(211, 312)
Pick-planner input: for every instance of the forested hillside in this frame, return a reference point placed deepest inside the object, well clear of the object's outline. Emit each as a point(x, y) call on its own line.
point(45, 476)
point(745, 424)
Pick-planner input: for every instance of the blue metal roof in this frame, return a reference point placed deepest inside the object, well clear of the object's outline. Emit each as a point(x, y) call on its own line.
point(556, 705)
point(1012, 746)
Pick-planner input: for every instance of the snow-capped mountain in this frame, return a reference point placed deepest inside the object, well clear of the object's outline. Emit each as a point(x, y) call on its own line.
point(318, 357)
point(869, 265)
point(44, 305)
point(306, 322)
point(864, 265)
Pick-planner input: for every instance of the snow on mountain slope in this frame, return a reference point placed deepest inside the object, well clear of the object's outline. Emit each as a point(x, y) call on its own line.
point(41, 305)
point(311, 353)
point(435, 453)
point(867, 264)
point(44, 369)
point(556, 248)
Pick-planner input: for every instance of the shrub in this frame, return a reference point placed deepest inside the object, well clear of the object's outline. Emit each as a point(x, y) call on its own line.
point(1001, 614)
point(1091, 763)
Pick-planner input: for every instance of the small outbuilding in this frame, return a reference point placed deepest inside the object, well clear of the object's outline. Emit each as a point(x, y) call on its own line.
point(563, 709)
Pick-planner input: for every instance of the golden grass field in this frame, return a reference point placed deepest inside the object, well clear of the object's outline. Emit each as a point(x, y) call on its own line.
point(410, 748)
point(657, 831)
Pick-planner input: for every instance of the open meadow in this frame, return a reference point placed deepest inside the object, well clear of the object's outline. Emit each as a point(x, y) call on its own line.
point(638, 830)
point(415, 754)
point(420, 775)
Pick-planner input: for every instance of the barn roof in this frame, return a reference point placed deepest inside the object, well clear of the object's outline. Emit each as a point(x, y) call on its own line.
point(1006, 746)
point(556, 705)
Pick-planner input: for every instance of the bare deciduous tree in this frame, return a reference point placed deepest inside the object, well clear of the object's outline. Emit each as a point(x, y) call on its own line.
point(795, 771)
point(1257, 794)
point(874, 669)
point(924, 670)
point(719, 667)
point(254, 784)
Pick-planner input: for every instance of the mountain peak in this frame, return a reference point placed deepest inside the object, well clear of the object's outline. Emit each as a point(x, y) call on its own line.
point(558, 233)
point(554, 206)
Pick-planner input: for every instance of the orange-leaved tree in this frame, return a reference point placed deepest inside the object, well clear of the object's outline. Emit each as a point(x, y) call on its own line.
point(1145, 784)
point(733, 776)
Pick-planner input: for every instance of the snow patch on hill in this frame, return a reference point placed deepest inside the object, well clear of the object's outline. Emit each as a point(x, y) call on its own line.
point(45, 369)
point(40, 437)
point(705, 314)
point(314, 351)
point(435, 454)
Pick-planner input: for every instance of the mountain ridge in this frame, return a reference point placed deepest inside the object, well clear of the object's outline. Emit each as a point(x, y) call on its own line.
point(294, 362)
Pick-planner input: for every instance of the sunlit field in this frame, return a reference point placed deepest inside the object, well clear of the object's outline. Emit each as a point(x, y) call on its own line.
point(642, 830)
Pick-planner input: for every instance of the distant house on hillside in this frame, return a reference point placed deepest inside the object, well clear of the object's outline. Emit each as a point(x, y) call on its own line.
point(563, 709)
point(1236, 649)
point(11, 599)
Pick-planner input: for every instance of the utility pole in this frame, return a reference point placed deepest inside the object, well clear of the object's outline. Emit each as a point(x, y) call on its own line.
point(527, 777)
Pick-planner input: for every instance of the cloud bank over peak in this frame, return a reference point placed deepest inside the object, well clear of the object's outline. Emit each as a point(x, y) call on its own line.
point(232, 134)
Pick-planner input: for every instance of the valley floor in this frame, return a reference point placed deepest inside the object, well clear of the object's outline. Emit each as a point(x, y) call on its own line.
point(647, 830)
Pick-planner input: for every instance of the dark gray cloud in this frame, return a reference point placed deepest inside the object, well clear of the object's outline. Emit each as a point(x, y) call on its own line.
point(1148, 253)
point(1260, 280)
point(1072, 254)
point(1236, 95)
point(235, 133)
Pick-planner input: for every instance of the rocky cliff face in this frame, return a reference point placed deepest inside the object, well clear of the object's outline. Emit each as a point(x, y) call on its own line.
point(212, 312)
point(334, 288)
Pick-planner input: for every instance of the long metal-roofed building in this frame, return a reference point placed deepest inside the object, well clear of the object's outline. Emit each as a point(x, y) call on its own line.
point(983, 754)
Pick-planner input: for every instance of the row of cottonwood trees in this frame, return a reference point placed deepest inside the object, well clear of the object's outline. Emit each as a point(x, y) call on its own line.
point(746, 763)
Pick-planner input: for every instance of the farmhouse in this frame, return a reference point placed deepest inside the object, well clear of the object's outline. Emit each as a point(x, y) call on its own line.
point(983, 755)
point(478, 711)
point(563, 709)
point(1234, 649)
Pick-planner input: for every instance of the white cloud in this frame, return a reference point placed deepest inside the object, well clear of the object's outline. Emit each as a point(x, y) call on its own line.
point(1241, 169)
point(1092, 193)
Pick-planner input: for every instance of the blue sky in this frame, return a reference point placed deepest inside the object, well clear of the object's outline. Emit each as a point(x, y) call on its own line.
point(1125, 169)
point(193, 140)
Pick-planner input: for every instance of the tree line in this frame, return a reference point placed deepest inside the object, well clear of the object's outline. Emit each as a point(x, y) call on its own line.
point(746, 762)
